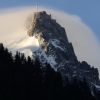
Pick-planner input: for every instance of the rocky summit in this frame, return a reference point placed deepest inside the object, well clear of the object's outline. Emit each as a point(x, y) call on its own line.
point(56, 50)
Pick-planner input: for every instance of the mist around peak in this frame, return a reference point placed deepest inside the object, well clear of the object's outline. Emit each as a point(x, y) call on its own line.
point(13, 30)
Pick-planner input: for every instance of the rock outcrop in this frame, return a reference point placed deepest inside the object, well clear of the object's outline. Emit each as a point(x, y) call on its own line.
point(56, 50)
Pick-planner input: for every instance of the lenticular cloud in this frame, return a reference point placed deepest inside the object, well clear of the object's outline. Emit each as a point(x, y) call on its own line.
point(14, 34)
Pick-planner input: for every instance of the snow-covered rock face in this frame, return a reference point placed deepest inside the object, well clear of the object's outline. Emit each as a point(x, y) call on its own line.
point(56, 50)
point(52, 38)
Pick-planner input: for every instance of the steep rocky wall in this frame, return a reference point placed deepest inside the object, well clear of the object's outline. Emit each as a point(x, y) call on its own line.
point(57, 50)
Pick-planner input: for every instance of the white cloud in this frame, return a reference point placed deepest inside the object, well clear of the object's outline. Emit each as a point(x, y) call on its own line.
point(12, 30)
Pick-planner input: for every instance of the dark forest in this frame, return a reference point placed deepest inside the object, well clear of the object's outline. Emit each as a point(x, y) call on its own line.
point(27, 79)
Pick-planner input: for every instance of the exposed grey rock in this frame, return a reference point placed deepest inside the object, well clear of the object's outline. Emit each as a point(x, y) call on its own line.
point(57, 50)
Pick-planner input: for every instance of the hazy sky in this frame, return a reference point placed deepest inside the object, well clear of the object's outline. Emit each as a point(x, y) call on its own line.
point(14, 35)
point(88, 10)
point(80, 19)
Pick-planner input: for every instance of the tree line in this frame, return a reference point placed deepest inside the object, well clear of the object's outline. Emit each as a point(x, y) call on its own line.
point(22, 78)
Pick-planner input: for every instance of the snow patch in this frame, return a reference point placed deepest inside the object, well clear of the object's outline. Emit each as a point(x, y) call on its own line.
point(44, 58)
point(41, 55)
point(56, 43)
point(52, 61)
point(98, 87)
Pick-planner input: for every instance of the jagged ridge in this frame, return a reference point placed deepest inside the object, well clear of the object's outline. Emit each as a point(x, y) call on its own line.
point(57, 50)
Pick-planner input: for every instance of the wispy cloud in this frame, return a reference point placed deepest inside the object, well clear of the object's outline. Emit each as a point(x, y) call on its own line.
point(86, 45)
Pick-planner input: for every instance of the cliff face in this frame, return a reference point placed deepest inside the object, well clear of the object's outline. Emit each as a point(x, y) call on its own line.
point(57, 50)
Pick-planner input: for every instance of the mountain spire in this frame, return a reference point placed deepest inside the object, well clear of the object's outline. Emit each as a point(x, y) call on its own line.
point(56, 50)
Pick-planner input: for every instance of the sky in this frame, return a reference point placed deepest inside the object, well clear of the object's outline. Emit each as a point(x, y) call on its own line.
point(88, 10)
point(79, 17)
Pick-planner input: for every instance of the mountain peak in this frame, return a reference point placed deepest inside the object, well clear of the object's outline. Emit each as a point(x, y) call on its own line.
point(42, 14)
point(56, 50)
point(37, 22)
point(50, 34)
point(43, 22)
